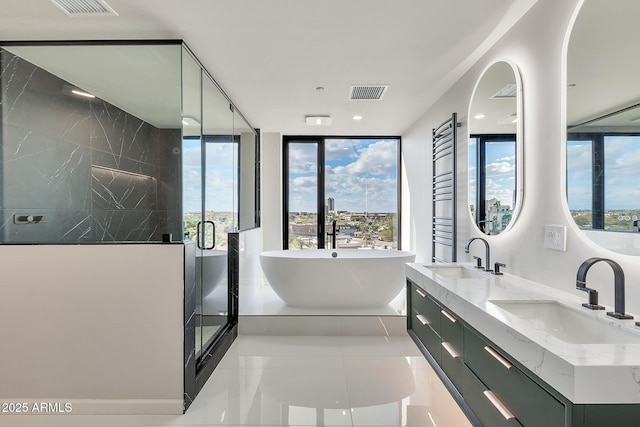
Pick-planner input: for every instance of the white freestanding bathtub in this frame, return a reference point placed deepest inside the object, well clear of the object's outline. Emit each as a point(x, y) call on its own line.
point(211, 269)
point(336, 277)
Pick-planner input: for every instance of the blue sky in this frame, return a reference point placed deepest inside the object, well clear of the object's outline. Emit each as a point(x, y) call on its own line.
point(221, 181)
point(361, 174)
point(622, 173)
point(500, 171)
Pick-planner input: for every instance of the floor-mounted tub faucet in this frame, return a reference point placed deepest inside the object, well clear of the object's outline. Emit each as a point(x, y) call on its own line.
point(618, 277)
point(487, 252)
point(333, 233)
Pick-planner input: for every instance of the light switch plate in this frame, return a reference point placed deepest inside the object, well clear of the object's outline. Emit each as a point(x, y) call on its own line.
point(555, 237)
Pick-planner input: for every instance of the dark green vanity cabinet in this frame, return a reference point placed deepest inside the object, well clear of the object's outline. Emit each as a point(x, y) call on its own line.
point(483, 377)
point(530, 403)
point(425, 321)
point(451, 332)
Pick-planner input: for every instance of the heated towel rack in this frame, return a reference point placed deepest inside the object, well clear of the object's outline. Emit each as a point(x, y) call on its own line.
point(443, 191)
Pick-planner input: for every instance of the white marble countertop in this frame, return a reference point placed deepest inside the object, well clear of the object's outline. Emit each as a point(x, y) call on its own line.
point(583, 373)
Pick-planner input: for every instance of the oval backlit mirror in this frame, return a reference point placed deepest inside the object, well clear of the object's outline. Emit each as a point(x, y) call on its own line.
point(495, 148)
point(603, 124)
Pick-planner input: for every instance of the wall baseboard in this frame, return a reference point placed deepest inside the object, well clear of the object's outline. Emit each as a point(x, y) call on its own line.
point(323, 325)
point(17, 407)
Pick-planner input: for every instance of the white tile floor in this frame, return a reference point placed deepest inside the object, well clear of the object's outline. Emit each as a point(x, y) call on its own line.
point(304, 381)
point(260, 299)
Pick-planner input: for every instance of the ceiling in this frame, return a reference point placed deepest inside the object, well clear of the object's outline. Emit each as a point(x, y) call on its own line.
point(603, 64)
point(271, 55)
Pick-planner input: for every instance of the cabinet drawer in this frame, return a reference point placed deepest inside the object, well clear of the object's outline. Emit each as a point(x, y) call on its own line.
point(426, 306)
point(452, 363)
point(531, 403)
point(429, 338)
point(451, 329)
point(451, 332)
point(485, 409)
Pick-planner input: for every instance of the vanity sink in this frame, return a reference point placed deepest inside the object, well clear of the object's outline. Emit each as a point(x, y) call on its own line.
point(454, 272)
point(566, 323)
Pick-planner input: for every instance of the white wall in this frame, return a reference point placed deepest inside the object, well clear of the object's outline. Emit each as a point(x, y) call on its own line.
point(250, 248)
point(536, 44)
point(99, 326)
point(271, 192)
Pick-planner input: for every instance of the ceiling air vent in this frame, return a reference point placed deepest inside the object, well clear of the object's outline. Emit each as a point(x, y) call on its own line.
point(83, 8)
point(509, 91)
point(367, 92)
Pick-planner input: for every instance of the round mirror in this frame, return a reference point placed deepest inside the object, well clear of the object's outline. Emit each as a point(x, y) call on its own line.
point(495, 148)
point(603, 124)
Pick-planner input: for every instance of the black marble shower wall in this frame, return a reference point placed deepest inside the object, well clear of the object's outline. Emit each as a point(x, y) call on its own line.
point(76, 170)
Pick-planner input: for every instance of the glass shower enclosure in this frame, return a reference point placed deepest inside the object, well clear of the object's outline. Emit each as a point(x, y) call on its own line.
point(128, 141)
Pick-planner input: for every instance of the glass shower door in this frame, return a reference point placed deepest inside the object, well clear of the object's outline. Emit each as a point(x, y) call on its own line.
point(219, 212)
point(209, 174)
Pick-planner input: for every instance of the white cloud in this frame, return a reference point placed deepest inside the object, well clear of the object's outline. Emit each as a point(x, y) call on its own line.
point(336, 149)
point(510, 159)
point(304, 184)
point(500, 168)
point(378, 158)
point(495, 190)
point(221, 181)
point(303, 158)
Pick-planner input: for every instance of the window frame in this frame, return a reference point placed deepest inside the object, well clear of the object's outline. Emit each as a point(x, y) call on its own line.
point(481, 177)
point(598, 174)
point(320, 189)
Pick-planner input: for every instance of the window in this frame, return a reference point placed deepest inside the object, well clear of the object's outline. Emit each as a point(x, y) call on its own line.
point(602, 176)
point(492, 181)
point(341, 192)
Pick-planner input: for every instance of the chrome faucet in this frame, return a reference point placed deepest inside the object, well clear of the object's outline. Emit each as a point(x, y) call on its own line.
point(618, 277)
point(486, 245)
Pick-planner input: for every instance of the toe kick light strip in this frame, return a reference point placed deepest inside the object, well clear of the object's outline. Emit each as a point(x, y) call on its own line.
point(504, 411)
point(498, 357)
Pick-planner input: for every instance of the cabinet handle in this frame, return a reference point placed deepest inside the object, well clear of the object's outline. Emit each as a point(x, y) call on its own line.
point(449, 316)
point(421, 292)
point(422, 319)
point(452, 351)
point(498, 357)
point(504, 411)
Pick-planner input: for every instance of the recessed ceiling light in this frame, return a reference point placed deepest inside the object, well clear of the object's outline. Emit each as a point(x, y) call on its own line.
point(479, 116)
point(190, 121)
point(318, 120)
point(507, 120)
point(82, 93)
point(320, 88)
point(357, 117)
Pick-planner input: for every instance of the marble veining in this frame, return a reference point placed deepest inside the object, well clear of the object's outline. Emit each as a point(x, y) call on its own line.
point(52, 144)
point(573, 369)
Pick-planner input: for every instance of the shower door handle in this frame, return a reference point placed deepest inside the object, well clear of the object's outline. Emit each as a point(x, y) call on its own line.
point(200, 237)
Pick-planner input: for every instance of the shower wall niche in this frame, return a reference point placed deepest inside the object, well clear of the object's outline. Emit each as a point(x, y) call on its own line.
point(82, 157)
